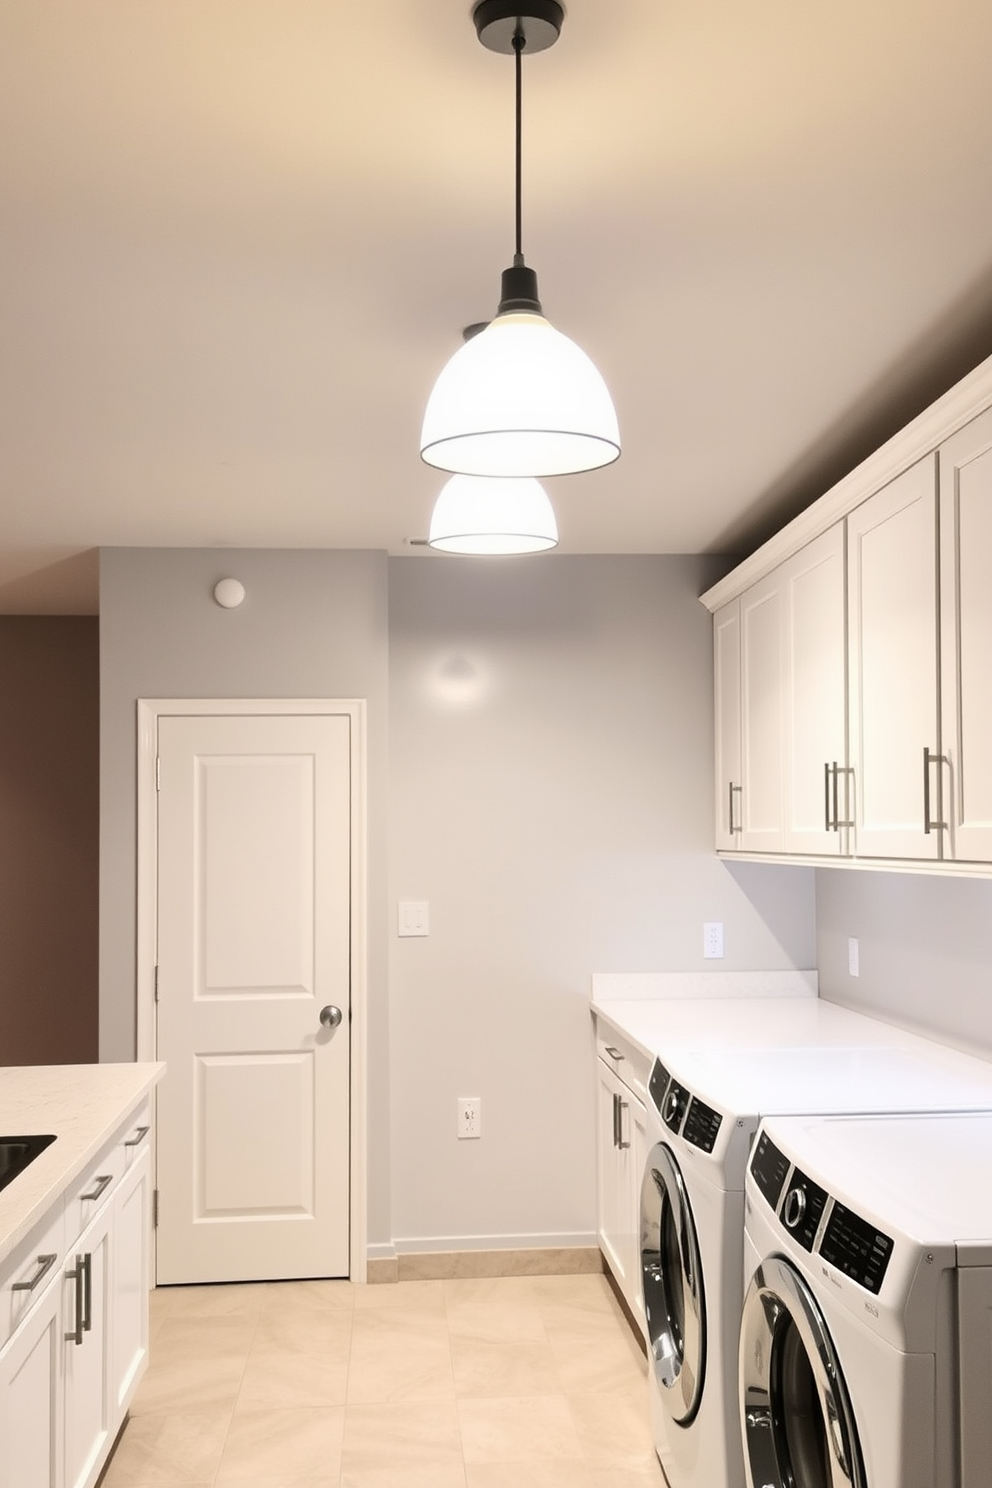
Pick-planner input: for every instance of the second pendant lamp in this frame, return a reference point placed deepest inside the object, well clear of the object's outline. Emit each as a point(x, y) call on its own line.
point(519, 398)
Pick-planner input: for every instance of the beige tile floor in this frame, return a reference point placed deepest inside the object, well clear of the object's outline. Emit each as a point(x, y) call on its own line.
point(521, 1382)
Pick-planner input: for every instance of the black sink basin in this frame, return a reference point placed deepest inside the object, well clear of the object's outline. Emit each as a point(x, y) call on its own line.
point(17, 1152)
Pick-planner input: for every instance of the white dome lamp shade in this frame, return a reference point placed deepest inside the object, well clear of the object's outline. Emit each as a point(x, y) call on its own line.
point(519, 398)
point(492, 515)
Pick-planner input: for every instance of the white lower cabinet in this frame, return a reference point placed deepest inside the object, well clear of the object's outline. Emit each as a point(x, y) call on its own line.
point(622, 1152)
point(31, 1397)
point(129, 1352)
point(87, 1332)
point(76, 1301)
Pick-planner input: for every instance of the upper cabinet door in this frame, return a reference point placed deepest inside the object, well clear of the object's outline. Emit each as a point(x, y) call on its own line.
point(966, 635)
point(815, 714)
point(762, 679)
point(727, 706)
point(893, 659)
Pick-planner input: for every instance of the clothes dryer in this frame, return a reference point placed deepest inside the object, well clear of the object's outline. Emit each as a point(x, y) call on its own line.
point(865, 1356)
point(704, 1109)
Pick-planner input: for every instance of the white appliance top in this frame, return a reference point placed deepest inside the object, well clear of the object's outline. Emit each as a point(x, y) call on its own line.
point(924, 1177)
point(663, 1026)
point(762, 1082)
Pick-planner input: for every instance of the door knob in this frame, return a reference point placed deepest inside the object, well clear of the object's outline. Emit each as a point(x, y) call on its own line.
point(330, 1016)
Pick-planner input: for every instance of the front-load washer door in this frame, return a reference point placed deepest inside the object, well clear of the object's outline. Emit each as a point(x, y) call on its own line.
point(672, 1286)
point(798, 1424)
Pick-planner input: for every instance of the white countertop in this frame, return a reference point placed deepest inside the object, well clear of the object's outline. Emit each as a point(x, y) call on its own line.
point(83, 1104)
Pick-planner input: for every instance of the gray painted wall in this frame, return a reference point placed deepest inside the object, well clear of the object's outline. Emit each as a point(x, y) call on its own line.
point(313, 624)
point(548, 789)
point(551, 748)
point(925, 950)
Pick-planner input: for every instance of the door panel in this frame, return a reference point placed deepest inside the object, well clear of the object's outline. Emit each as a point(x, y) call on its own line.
point(966, 632)
point(254, 939)
point(892, 558)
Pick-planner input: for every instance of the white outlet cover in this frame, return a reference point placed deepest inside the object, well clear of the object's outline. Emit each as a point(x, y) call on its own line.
point(853, 957)
point(713, 940)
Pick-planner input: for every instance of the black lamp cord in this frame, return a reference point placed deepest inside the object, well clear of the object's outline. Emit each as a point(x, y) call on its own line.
point(519, 42)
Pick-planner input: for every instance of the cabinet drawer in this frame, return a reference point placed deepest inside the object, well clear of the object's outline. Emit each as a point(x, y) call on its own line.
point(90, 1191)
point(136, 1136)
point(624, 1058)
point(27, 1273)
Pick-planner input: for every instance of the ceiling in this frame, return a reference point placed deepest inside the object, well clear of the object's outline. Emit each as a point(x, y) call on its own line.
point(239, 239)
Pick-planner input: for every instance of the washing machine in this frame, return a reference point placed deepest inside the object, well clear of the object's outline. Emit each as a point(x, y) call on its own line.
point(866, 1331)
point(704, 1109)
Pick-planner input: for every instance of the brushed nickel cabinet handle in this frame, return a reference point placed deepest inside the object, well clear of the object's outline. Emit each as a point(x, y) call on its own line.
point(45, 1264)
point(138, 1137)
point(733, 790)
point(102, 1182)
point(928, 825)
point(76, 1276)
point(622, 1106)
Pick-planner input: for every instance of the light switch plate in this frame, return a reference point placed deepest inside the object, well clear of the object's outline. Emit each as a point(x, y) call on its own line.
point(413, 917)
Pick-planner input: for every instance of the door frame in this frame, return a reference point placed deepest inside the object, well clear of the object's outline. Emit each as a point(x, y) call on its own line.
point(150, 710)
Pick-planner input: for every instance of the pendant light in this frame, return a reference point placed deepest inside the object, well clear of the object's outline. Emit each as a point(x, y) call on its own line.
point(519, 399)
point(489, 515)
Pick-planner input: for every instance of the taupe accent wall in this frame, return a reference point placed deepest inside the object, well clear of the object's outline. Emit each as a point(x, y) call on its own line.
point(49, 836)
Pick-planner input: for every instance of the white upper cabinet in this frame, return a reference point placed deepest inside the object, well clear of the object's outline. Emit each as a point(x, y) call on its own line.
point(762, 677)
point(853, 701)
point(780, 708)
point(894, 676)
point(966, 640)
point(815, 704)
point(727, 672)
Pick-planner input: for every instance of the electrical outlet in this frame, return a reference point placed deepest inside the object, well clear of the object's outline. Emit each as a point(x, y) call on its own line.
point(853, 957)
point(713, 940)
point(469, 1117)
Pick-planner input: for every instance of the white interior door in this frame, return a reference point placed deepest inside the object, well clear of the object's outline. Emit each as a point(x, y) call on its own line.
point(254, 847)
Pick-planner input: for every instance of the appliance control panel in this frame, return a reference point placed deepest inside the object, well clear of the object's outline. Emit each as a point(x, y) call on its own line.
point(674, 1108)
point(856, 1248)
point(702, 1125)
point(658, 1084)
point(769, 1168)
point(849, 1243)
point(802, 1208)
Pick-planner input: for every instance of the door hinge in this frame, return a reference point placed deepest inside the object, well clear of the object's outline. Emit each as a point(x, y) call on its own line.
point(156, 984)
point(158, 773)
point(154, 1208)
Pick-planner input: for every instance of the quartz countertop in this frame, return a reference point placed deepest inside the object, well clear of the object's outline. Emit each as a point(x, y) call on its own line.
point(83, 1104)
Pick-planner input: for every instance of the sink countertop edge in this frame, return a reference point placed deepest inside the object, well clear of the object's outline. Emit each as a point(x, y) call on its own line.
point(84, 1105)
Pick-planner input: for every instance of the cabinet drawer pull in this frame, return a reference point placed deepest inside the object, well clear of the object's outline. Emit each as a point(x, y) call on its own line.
point(45, 1264)
point(102, 1182)
point(76, 1276)
point(138, 1137)
point(616, 1121)
point(827, 823)
point(613, 1053)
